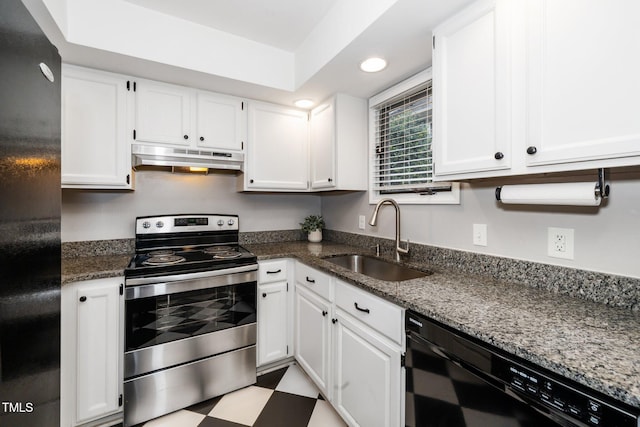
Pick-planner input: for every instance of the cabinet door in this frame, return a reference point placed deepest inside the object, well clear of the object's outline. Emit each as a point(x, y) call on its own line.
point(583, 86)
point(322, 145)
point(163, 113)
point(367, 376)
point(221, 122)
point(312, 320)
point(277, 150)
point(95, 145)
point(471, 90)
point(273, 330)
point(99, 349)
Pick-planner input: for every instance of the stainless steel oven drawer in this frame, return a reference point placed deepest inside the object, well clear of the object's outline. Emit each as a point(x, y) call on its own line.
point(162, 392)
point(161, 356)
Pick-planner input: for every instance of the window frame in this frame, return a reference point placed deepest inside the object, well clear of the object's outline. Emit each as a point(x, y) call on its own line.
point(440, 197)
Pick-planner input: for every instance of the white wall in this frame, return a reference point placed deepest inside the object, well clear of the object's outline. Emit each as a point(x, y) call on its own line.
point(606, 239)
point(102, 215)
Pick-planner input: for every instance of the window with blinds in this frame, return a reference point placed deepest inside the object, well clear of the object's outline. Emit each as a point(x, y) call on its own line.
point(403, 143)
point(400, 156)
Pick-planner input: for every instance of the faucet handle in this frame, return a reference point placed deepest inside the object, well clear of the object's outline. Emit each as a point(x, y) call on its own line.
point(404, 250)
point(377, 248)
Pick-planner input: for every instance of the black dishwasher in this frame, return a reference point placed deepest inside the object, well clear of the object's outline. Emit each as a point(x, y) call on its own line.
point(454, 380)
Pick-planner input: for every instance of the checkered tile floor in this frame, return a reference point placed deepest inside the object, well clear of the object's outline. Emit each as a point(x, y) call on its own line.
point(286, 397)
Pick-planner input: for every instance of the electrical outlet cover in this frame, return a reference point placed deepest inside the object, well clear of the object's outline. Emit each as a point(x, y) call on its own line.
point(560, 242)
point(361, 222)
point(480, 234)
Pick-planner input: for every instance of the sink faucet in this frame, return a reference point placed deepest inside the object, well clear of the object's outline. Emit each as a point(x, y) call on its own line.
point(374, 219)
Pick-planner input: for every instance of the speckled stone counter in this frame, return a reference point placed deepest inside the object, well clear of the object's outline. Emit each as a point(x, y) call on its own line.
point(93, 267)
point(594, 344)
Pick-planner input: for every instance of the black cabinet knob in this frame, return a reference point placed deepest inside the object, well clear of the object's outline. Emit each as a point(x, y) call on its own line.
point(498, 155)
point(330, 180)
point(83, 298)
point(202, 138)
point(334, 321)
point(186, 137)
point(251, 181)
point(324, 313)
point(532, 150)
point(264, 295)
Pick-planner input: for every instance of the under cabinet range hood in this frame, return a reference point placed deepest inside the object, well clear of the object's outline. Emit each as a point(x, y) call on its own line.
point(148, 155)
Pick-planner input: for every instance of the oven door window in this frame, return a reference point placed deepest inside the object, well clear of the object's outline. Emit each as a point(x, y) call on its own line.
point(164, 318)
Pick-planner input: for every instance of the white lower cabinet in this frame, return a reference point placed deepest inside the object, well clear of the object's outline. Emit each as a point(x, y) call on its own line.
point(366, 375)
point(351, 346)
point(92, 340)
point(274, 312)
point(313, 337)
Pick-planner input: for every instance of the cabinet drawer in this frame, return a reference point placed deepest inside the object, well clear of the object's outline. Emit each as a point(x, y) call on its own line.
point(312, 279)
point(375, 312)
point(272, 271)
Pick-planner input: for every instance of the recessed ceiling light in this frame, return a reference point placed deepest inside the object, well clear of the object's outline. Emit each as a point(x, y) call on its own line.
point(373, 65)
point(304, 103)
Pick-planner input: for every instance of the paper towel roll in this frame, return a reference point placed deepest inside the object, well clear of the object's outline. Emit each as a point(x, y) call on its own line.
point(572, 194)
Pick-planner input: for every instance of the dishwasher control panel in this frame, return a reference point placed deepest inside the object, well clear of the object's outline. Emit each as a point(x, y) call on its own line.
point(574, 403)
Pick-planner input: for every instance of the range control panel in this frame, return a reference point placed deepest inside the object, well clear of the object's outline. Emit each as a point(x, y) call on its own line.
point(186, 223)
point(563, 399)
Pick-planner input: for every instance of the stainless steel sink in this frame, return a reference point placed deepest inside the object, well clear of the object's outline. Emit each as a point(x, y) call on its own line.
point(377, 268)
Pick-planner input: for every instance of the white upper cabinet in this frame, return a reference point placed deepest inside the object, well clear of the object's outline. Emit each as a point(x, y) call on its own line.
point(471, 81)
point(338, 144)
point(532, 86)
point(96, 150)
point(582, 86)
point(221, 122)
point(163, 113)
point(180, 116)
point(277, 148)
point(323, 147)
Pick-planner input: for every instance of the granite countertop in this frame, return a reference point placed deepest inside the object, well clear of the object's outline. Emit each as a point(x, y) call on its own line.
point(77, 269)
point(594, 344)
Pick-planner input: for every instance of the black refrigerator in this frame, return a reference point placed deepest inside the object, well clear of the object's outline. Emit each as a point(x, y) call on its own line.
point(29, 222)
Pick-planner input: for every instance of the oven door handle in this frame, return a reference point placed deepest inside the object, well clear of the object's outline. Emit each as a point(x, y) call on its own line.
point(145, 287)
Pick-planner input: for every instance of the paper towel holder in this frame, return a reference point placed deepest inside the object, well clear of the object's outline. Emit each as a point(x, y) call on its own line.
point(601, 187)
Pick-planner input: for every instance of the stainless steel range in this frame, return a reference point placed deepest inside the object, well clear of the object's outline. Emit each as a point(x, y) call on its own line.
point(190, 314)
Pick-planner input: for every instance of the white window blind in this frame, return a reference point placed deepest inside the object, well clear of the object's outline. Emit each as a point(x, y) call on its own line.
point(403, 142)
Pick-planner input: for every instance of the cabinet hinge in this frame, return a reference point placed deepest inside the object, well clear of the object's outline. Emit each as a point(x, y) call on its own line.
point(134, 86)
point(120, 400)
point(242, 145)
point(128, 85)
point(121, 285)
point(134, 134)
point(242, 105)
point(403, 361)
point(128, 179)
point(287, 350)
point(434, 41)
point(287, 286)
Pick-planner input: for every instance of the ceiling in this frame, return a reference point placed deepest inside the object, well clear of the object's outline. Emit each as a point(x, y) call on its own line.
point(283, 23)
point(277, 50)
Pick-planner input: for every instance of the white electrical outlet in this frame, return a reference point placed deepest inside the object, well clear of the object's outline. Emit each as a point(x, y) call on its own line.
point(480, 234)
point(361, 222)
point(560, 242)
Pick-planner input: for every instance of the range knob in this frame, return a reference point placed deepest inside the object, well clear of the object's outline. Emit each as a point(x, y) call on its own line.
point(220, 223)
point(159, 224)
point(146, 224)
point(231, 221)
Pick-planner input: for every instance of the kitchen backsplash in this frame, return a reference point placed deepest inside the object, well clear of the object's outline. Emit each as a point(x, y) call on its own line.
point(610, 289)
